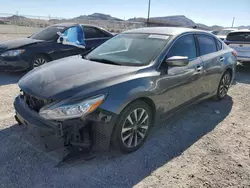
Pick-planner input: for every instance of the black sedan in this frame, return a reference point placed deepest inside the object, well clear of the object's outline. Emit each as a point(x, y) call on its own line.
point(123, 87)
point(54, 42)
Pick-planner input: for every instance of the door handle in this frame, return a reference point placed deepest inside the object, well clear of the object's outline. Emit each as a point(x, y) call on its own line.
point(222, 59)
point(199, 68)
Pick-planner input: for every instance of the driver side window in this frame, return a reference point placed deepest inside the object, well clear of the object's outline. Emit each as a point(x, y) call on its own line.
point(183, 46)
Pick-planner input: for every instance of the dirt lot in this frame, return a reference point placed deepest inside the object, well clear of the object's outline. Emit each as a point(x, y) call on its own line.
point(8, 32)
point(207, 145)
point(14, 29)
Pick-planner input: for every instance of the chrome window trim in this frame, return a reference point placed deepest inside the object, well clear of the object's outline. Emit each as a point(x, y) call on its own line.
point(89, 39)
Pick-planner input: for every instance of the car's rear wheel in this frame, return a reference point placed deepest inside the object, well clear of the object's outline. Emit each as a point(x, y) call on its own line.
point(132, 127)
point(223, 86)
point(38, 61)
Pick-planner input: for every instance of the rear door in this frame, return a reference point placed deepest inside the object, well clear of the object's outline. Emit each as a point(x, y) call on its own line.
point(240, 42)
point(213, 57)
point(94, 36)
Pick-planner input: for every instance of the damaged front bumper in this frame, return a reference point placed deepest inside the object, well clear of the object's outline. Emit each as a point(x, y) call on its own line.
point(93, 131)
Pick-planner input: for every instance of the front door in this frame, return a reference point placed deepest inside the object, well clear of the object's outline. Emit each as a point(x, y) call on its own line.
point(70, 42)
point(181, 85)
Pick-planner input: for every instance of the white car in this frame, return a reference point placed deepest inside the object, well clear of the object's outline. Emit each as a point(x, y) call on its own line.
point(224, 32)
point(240, 41)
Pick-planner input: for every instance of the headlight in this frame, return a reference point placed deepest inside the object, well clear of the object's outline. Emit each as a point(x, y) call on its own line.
point(12, 53)
point(71, 111)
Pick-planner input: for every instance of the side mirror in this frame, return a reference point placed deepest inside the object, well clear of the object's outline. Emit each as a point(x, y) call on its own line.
point(177, 61)
point(59, 33)
point(61, 37)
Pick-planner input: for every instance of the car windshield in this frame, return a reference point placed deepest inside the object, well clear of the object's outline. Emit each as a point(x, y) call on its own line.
point(48, 33)
point(224, 32)
point(129, 49)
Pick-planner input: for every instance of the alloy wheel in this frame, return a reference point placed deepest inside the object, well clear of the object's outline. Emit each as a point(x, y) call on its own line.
point(224, 85)
point(135, 127)
point(38, 62)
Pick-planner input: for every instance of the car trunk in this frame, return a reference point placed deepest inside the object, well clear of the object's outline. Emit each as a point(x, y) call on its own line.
point(240, 42)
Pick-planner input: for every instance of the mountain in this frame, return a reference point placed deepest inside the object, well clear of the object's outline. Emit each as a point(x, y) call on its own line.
point(112, 23)
point(244, 27)
point(24, 21)
point(97, 16)
point(178, 20)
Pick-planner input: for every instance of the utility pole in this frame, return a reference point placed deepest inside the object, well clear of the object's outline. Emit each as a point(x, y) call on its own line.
point(149, 4)
point(233, 22)
point(16, 21)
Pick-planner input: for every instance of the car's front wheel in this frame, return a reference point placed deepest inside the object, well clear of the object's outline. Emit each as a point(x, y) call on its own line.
point(39, 60)
point(132, 127)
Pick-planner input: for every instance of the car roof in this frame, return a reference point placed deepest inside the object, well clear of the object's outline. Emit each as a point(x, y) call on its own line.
point(72, 24)
point(164, 30)
point(234, 29)
point(241, 30)
point(65, 24)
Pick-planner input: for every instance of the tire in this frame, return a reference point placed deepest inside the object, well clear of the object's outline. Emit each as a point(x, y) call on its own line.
point(39, 60)
point(128, 137)
point(223, 86)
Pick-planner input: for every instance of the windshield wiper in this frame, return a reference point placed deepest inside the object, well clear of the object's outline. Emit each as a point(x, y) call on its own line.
point(106, 61)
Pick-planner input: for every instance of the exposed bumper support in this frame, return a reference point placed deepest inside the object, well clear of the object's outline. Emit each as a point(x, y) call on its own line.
point(92, 132)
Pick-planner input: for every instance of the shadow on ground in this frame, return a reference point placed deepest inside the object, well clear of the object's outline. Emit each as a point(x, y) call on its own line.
point(243, 73)
point(22, 165)
point(10, 78)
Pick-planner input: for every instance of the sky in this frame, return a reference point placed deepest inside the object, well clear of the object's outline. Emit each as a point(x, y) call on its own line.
point(209, 12)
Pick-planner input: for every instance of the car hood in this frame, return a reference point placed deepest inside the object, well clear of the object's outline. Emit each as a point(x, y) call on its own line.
point(66, 77)
point(17, 43)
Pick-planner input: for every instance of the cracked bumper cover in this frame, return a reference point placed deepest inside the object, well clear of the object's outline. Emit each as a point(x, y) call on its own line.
point(51, 134)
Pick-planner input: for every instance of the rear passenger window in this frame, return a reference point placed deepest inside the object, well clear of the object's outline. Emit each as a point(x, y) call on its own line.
point(219, 45)
point(207, 44)
point(184, 46)
point(91, 32)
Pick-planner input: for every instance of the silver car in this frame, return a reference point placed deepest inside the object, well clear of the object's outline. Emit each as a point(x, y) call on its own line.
point(240, 42)
point(222, 34)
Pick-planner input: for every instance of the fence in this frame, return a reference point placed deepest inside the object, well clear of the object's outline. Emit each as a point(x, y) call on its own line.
point(28, 24)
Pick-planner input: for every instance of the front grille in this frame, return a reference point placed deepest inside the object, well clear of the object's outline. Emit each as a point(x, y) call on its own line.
point(35, 103)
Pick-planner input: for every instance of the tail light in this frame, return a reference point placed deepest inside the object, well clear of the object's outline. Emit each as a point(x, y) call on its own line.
point(235, 53)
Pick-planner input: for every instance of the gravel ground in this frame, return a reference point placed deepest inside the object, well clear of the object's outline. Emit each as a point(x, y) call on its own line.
point(207, 145)
point(5, 37)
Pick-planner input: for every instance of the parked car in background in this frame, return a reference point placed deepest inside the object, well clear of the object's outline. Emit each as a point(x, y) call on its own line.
point(116, 93)
point(54, 42)
point(240, 41)
point(222, 34)
point(215, 32)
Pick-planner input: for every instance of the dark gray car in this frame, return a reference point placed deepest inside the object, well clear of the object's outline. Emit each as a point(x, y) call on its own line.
point(122, 88)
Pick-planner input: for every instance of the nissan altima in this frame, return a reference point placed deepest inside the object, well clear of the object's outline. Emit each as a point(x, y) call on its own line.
point(115, 94)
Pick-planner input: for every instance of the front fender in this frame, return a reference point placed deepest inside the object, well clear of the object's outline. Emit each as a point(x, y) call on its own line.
point(119, 96)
